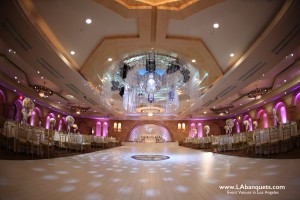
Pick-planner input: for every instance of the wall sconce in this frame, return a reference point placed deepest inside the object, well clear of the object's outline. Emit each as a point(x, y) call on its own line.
point(119, 127)
point(179, 126)
point(115, 126)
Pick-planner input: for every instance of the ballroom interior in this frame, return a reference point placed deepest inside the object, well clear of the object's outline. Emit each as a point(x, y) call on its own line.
point(149, 99)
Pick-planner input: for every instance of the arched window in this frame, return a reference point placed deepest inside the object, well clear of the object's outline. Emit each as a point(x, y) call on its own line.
point(281, 110)
point(18, 110)
point(2, 102)
point(98, 129)
point(62, 124)
point(105, 129)
point(35, 117)
point(192, 129)
point(247, 117)
point(262, 118)
point(200, 131)
point(237, 125)
point(50, 115)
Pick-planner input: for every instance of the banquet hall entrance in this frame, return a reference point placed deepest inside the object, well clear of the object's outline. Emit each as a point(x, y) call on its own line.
point(150, 133)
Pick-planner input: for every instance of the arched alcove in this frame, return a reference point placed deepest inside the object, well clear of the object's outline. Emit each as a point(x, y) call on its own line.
point(150, 131)
point(2, 102)
point(18, 110)
point(280, 108)
point(262, 118)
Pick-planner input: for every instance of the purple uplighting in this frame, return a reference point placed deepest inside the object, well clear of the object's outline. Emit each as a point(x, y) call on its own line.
point(98, 129)
point(238, 129)
point(32, 118)
point(280, 106)
point(265, 118)
point(283, 114)
point(200, 131)
point(297, 97)
point(105, 129)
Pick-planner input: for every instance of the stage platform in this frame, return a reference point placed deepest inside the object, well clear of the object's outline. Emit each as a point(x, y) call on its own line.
point(164, 144)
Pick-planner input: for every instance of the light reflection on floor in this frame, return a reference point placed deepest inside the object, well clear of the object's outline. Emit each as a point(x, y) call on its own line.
point(113, 174)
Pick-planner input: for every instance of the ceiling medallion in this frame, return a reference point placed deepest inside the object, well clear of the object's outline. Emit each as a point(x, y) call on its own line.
point(43, 91)
point(221, 110)
point(160, 4)
point(78, 109)
point(257, 93)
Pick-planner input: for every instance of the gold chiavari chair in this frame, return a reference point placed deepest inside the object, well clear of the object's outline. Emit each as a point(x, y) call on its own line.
point(47, 142)
point(294, 135)
point(87, 142)
point(274, 140)
point(261, 141)
point(34, 140)
point(22, 139)
point(286, 137)
point(250, 142)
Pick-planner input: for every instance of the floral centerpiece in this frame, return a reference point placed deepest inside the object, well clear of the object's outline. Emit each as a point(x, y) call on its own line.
point(255, 124)
point(246, 123)
point(275, 116)
point(226, 127)
point(207, 129)
point(28, 106)
point(52, 123)
point(230, 124)
point(70, 121)
point(75, 127)
point(195, 132)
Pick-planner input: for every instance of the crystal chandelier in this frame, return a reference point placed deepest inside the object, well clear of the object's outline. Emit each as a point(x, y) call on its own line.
point(43, 91)
point(257, 93)
point(221, 110)
point(78, 110)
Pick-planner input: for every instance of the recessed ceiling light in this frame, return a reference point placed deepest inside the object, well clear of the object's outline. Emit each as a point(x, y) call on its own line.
point(16, 77)
point(18, 81)
point(284, 81)
point(42, 77)
point(9, 50)
point(34, 100)
point(72, 52)
point(204, 112)
point(109, 59)
point(193, 60)
point(38, 72)
point(263, 74)
point(216, 25)
point(232, 54)
point(284, 92)
point(292, 54)
point(15, 90)
point(88, 21)
point(241, 104)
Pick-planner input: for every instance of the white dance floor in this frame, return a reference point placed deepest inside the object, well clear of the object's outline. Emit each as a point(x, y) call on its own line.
point(113, 174)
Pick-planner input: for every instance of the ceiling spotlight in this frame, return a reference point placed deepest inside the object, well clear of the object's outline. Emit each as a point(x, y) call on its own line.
point(216, 25)
point(88, 21)
point(109, 59)
point(232, 54)
point(72, 52)
point(193, 60)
